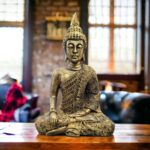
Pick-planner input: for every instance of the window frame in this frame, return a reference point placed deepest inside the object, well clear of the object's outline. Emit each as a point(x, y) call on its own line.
point(16, 24)
point(27, 46)
point(140, 42)
point(112, 26)
point(27, 42)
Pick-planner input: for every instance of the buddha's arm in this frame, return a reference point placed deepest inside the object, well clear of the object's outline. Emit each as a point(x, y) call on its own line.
point(92, 91)
point(55, 82)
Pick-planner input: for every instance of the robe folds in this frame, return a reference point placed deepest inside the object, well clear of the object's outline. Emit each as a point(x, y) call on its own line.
point(79, 92)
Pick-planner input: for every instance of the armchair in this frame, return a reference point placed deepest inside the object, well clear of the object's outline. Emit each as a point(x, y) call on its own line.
point(126, 107)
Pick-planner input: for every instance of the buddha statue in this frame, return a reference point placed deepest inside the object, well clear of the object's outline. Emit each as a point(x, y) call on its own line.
point(79, 113)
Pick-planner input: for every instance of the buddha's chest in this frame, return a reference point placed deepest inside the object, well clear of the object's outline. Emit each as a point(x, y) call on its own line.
point(67, 75)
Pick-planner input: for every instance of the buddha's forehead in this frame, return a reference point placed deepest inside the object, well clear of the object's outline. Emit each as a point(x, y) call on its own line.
point(75, 41)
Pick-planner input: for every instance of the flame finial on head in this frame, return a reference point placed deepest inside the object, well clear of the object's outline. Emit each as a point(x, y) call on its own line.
point(74, 20)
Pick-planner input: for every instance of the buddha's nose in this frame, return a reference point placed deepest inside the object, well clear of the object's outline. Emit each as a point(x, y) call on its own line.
point(75, 50)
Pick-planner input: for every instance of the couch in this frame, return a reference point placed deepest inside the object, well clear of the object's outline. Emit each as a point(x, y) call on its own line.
point(126, 107)
point(29, 111)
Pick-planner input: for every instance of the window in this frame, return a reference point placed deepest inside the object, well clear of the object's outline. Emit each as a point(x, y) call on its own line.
point(11, 37)
point(112, 36)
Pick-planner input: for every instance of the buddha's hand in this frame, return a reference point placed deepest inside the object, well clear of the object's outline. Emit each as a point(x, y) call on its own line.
point(81, 113)
point(53, 118)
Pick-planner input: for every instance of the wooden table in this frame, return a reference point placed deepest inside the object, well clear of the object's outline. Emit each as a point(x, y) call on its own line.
point(23, 136)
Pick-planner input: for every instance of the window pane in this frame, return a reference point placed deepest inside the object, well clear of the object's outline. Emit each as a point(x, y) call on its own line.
point(99, 11)
point(99, 48)
point(11, 10)
point(112, 48)
point(125, 12)
point(124, 51)
point(106, 3)
point(11, 51)
point(92, 3)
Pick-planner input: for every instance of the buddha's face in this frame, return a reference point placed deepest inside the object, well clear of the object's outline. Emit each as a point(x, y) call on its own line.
point(74, 50)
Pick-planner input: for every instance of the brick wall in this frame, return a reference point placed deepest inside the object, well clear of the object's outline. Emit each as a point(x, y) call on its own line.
point(47, 54)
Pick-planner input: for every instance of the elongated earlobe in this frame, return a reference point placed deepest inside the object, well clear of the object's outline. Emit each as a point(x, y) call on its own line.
point(83, 58)
point(66, 58)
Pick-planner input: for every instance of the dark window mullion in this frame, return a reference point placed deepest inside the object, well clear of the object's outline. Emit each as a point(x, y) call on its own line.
point(111, 43)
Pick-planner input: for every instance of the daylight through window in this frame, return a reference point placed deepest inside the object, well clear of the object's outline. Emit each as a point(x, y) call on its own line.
point(112, 36)
point(11, 38)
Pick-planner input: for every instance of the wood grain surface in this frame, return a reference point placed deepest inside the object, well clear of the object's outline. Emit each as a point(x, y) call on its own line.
point(23, 136)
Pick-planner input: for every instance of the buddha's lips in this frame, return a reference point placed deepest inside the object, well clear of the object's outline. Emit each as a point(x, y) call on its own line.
point(75, 56)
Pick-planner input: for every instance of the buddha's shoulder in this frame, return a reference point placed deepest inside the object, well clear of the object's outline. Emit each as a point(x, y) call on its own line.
point(89, 68)
point(59, 71)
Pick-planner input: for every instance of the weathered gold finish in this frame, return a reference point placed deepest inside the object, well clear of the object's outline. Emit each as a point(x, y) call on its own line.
point(80, 112)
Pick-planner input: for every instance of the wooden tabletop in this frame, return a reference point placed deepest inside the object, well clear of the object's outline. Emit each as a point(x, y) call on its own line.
point(23, 136)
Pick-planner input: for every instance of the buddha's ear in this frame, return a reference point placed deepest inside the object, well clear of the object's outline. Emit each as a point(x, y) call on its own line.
point(83, 57)
point(66, 58)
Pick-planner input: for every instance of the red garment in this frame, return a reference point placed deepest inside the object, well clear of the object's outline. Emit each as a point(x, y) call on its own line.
point(14, 100)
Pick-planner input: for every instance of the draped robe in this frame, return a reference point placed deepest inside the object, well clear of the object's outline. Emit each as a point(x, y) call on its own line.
point(80, 91)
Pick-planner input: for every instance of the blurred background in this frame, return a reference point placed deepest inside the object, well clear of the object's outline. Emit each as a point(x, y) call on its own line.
point(118, 33)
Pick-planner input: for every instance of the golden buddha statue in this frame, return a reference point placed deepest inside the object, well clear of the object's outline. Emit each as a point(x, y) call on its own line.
point(80, 112)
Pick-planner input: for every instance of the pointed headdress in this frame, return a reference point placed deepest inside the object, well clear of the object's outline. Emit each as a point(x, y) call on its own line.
point(75, 32)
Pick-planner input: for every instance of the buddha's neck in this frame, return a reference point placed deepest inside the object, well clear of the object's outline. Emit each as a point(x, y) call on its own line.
point(74, 67)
